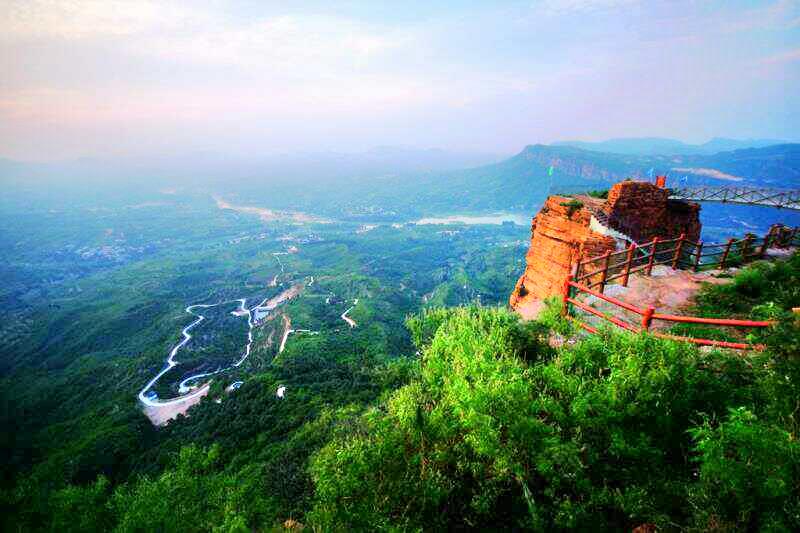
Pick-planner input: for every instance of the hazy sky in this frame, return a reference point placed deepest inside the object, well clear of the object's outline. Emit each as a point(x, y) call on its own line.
point(111, 77)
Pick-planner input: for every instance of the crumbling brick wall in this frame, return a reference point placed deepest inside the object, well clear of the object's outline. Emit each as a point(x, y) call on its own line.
point(643, 211)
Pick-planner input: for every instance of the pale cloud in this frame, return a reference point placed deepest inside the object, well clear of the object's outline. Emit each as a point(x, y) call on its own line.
point(81, 19)
point(338, 98)
point(455, 77)
point(194, 33)
point(789, 56)
point(570, 6)
point(318, 44)
point(774, 14)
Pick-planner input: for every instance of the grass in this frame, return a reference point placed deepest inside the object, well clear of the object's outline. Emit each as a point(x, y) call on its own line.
point(761, 291)
point(702, 331)
point(572, 206)
point(602, 194)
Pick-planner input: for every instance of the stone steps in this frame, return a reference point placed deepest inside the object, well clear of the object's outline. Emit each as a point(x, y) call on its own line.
point(601, 217)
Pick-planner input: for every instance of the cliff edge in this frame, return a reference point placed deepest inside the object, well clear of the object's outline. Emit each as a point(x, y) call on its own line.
point(568, 229)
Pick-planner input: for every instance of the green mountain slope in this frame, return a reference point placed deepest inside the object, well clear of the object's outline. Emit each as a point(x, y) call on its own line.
point(658, 145)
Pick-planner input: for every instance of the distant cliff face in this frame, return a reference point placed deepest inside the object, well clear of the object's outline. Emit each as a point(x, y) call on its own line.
point(567, 230)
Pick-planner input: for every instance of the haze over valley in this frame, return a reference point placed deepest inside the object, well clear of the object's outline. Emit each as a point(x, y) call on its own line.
point(260, 262)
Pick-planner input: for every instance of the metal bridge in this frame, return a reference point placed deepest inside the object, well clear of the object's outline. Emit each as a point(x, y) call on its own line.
point(780, 198)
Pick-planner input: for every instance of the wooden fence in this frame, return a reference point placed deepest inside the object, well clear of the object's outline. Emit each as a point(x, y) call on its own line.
point(591, 277)
point(648, 314)
point(682, 253)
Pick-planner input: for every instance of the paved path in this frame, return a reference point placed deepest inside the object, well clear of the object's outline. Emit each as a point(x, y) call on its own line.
point(161, 410)
point(350, 321)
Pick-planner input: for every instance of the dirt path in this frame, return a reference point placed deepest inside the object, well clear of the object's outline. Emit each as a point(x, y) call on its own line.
point(668, 291)
point(287, 329)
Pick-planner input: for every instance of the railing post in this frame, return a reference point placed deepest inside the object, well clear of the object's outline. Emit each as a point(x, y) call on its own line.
point(678, 251)
point(604, 273)
point(566, 295)
point(652, 257)
point(725, 253)
point(698, 253)
point(647, 317)
point(746, 246)
point(784, 237)
point(628, 261)
point(767, 239)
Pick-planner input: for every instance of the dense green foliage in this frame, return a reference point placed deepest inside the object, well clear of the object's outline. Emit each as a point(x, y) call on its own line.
point(95, 298)
point(428, 415)
point(494, 428)
point(610, 433)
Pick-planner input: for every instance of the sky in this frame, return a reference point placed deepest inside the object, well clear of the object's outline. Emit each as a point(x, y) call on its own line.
point(110, 78)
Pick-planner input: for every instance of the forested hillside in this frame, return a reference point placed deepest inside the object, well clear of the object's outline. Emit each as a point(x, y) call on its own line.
point(409, 400)
point(368, 188)
point(487, 428)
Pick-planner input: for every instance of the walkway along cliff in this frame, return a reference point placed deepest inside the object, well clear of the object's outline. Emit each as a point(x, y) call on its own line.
point(568, 229)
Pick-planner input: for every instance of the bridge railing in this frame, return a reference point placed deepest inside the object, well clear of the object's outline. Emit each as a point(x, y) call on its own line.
point(780, 198)
point(591, 277)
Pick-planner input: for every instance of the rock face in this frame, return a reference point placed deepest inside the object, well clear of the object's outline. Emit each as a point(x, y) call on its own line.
point(561, 234)
point(643, 211)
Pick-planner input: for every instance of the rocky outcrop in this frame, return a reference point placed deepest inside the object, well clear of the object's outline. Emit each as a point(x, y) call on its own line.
point(564, 232)
point(644, 211)
point(560, 235)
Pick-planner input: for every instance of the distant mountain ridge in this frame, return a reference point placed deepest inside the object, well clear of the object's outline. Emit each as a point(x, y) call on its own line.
point(389, 183)
point(523, 181)
point(771, 166)
point(662, 146)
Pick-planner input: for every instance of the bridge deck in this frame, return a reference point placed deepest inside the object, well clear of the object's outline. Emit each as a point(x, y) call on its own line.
point(780, 198)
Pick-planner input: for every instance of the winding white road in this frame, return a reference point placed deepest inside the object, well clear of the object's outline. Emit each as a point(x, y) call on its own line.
point(350, 321)
point(265, 305)
point(171, 362)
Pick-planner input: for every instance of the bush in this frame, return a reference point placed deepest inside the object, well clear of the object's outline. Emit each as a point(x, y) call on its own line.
point(602, 194)
point(572, 206)
point(748, 472)
point(497, 431)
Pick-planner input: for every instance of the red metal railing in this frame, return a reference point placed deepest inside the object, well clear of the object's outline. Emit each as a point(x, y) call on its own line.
point(593, 275)
point(679, 253)
point(648, 314)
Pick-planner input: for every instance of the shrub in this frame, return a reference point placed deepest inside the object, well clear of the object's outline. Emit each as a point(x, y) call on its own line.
point(602, 194)
point(572, 206)
point(498, 431)
point(748, 472)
